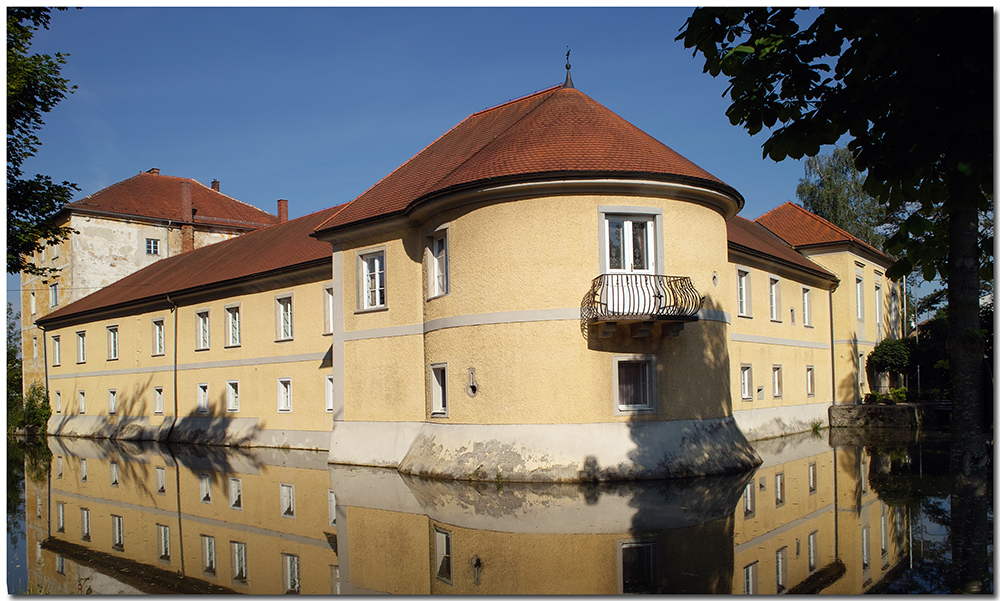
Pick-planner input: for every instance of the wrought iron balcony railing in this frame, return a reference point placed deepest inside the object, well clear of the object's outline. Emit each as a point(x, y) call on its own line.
point(640, 297)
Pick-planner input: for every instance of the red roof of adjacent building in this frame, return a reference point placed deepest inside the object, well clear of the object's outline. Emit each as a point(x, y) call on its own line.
point(752, 236)
point(253, 254)
point(800, 228)
point(557, 132)
point(159, 197)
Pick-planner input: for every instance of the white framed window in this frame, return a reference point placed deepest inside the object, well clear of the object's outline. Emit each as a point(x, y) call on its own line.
point(781, 569)
point(56, 351)
point(630, 242)
point(159, 339)
point(232, 396)
point(112, 402)
point(866, 557)
point(81, 400)
point(34, 347)
point(634, 383)
point(283, 318)
point(371, 271)
point(331, 501)
point(202, 334)
point(205, 488)
point(163, 541)
point(59, 467)
point(112, 343)
point(774, 298)
point(290, 574)
point(438, 283)
point(60, 517)
point(812, 550)
point(878, 312)
point(31, 301)
point(776, 381)
point(746, 382)
point(750, 579)
point(152, 246)
point(55, 250)
point(813, 483)
point(203, 398)
point(749, 500)
point(807, 319)
point(743, 292)
point(235, 493)
point(637, 567)
point(60, 565)
point(208, 554)
point(81, 347)
point(779, 489)
point(329, 394)
point(442, 555)
point(859, 297)
point(117, 533)
point(439, 389)
point(286, 494)
point(239, 561)
point(54, 295)
point(233, 326)
point(161, 480)
point(158, 400)
point(58, 401)
point(84, 523)
point(810, 381)
point(284, 395)
point(328, 308)
point(894, 312)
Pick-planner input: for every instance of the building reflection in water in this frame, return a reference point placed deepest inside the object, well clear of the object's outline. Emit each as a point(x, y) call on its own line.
point(132, 518)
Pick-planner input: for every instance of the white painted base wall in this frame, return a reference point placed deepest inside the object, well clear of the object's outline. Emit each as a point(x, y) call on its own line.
point(758, 424)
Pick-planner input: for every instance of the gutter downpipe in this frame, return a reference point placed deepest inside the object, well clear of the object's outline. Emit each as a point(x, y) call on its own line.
point(833, 358)
point(177, 465)
point(174, 421)
point(45, 363)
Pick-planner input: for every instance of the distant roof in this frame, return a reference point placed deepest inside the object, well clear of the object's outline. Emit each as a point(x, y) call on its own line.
point(555, 133)
point(253, 254)
point(752, 236)
point(159, 197)
point(802, 229)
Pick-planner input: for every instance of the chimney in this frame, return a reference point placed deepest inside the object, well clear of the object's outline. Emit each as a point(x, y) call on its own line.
point(282, 210)
point(187, 217)
point(215, 185)
point(154, 171)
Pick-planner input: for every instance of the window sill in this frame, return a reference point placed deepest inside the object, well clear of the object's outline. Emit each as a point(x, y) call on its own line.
point(776, 321)
point(372, 310)
point(112, 358)
point(747, 399)
point(157, 413)
point(203, 348)
point(744, 316)
point(283, 339)
point(438, 415)
point(807, 325)
point(158, 355)
point(232, 410)
point(436, 296)
point(233, 346)
point(284, 410)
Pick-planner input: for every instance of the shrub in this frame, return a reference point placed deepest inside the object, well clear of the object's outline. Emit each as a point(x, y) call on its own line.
point(889, 356)
point(36, 410)
point(898, 394)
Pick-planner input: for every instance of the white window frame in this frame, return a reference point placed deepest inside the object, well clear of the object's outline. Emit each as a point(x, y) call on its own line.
point(774, 297)
point(56, 351)
point(58, 401)
point(807, 319)
point(159, 338)
point(812, 552)
point(810, 380)
point(54, 295)
point(859, 296)
point(283, 318)
point(205, 488)
point(652, 400)
point(85, 523)
point(878, 311)
point(161, 480)
point(83, 470)
point(779, 489)
point(81, 401)
point(750, 499)
point(203, 331)
point(232, 396)
point(112, 401)
point(117, 532)
point(743, 306)
point(331, 501)
point(113, 343)
point(286, 496)
point(59, 467)
point(372, 289)
point(781, 569)
point(750, 586)
point(328, 300)
point(813, 478)
point(236, 493)
point(60, 517)
point(239, 560)
point(34, 347)
point(439, 389)
point(866, 552)
point(233, 332)
point(329, 394)
point(438, 272)
point(31, 299)
point(163, 541)
point(81, 346)
point(442, 551)
point(776, 381)
point(746, 382)
point(209, 563)
point(203, 398)
point(152, 246)
point(284, 395)
point(158, 400)
point(290, 574)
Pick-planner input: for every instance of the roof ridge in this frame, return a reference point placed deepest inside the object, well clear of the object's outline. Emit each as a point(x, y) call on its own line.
point(220, 193)
point(108, 187)
point(512, 101)
point(825, 221)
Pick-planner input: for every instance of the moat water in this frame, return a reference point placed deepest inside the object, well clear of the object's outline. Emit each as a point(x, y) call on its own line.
point(838, 512)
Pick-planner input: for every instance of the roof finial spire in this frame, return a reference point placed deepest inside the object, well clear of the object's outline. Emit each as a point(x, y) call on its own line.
point(569, 79)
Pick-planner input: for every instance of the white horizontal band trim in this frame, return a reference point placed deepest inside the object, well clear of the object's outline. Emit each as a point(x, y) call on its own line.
point(735, 337)
point(857, 342)
point(500, 317)
point(407, 330)
point(190, 366)
point(782, 529)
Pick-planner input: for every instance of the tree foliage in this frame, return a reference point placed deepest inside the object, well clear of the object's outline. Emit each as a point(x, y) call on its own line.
point(14, 382)
point(34, 87)
point(890, 355)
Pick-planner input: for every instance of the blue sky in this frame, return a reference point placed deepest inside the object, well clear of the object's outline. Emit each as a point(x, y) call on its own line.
point(315, 105)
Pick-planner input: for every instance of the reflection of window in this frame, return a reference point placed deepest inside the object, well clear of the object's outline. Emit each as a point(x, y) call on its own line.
point(205, 488)
point(442, 555)
point(865, 551)
point(439, 389)
point(781, 569)
point(749, 500)
point(114, 473)
point(161, 480)
point(60, 517)
point(83, 470)
point(59, 468)
point(287, 494)
point(208, 554)
point(163, 541)
point(117, 533)
point(812, 478)
point(332, 504)
point(884, 534)
point(812, 550)
point(239, 558)
point(290, 573)
point(637, 567)
point(85, 524)
point(779, 489)
point(232, 395)
point(60, 564)
point(235, 493)
point(750, 579)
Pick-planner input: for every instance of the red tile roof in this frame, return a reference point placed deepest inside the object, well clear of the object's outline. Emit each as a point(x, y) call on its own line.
point(753, 237)
point(159, 197)
point(800, 228)
point(557, 132)
point(253, 254)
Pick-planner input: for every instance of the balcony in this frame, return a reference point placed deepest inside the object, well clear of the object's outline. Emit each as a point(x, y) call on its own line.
point(642, 301)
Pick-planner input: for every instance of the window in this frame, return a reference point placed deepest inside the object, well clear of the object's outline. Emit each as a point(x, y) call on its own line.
point(861, 371)
point(781, 569)
point(202, 398)
point(372, 280)
point(60, 517)
point(55, 250)
point(746, 382)
point(776, 381)
point(235, 493)
point(205, 488)
point(439, 389)
point(81, 399)
point(884, 534)
point(286, 493)
point(58, 401)
point(329, 394)
point(239, 561)
point(54, 295)
point(630, 244)
point(284, 318)
point(59, 468)
point(202, 336)
point(634, 378)
point(284, 395)
point(114, 473)
point(866, 558)
point(81, 347)
point(232, 396)
point(779, 489)
point(233, 326)
point(859, 297)
point(84, 523)
point(894, 312)
point(158, 400)
point(774, 295)
point(159, 342)
point(438, 271)
point(163, 541)
point(38, 507)
point(750, 579)
point(290, 573)
point(161, 480)
point(34, 347)
point(743, 292)
point(31, 300)
point(60, 565)
point(810, 381)
point(807, 319)
point(328, 309)
point(812, 478)
point(749, 500)
point(638, 562)
point(812, 550)
point(208, 554)
point(442, 555)
point(112, 343)
point(56, 351)
point(112, 402)
point(117, 533)
point(152, 246)
point(878, 312)
point(331, 500)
